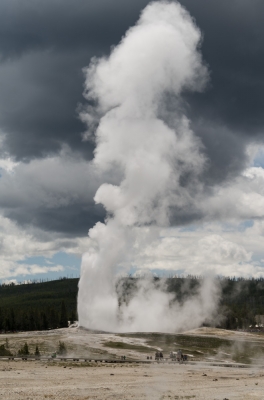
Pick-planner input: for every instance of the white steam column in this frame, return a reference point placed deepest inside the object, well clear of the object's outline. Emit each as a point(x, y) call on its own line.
point(150, 149)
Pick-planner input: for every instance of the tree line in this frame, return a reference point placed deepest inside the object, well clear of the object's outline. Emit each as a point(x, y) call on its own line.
point(12, 320)
point(240, 299)
point(43, 306)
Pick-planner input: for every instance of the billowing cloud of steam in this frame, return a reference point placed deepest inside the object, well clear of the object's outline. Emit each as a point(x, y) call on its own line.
point(159, 167)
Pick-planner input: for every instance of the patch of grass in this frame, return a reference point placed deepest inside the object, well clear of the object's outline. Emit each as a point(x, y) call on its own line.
point(127, 346)
point(202, 347)
point(169, 342)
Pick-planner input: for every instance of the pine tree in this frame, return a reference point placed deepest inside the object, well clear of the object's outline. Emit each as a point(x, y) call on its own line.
point(62, 350)
point(25, 322)
point(37, 353)
point(4, 351)
point(53, 319)
point(32, 325)
point(73, 317)
point(24, 350)
point(12, 320)
point(63, 316)
point(44, 321)
point(37, 319)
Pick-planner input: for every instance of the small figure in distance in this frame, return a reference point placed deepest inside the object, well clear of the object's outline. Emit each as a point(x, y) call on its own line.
point(179, 355)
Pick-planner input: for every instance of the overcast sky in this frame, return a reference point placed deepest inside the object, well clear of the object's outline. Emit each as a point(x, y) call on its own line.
point(48, 183)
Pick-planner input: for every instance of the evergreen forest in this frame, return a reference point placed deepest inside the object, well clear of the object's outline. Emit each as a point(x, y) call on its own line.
point(53, 304)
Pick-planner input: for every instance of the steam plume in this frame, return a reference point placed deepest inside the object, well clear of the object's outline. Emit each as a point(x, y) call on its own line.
point(157, 158)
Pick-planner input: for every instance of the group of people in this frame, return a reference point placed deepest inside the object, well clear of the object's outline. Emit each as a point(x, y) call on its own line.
point(158, 355)
point(178, 356)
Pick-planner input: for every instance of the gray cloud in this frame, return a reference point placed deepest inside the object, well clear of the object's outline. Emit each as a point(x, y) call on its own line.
point(54, 193)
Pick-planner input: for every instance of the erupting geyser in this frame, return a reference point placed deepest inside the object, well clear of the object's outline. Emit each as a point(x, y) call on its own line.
point(158, 160)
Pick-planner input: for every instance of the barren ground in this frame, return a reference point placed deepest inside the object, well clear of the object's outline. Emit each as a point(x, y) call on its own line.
point(76, 380)
point(37, 380)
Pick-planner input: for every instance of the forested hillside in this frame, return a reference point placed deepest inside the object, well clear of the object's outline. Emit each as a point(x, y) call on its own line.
point(45, 305)
point(50, 305)
point(240, 300)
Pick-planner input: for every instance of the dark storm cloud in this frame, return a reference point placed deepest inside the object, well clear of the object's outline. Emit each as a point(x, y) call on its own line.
point(233, 48)
point(45, 44)
point(229, 114)
point(37, 104)
point(72, 220)
point(64, 24)
point(43, 48)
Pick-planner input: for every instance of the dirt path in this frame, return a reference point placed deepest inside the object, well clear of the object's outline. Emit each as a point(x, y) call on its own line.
point(34, 380)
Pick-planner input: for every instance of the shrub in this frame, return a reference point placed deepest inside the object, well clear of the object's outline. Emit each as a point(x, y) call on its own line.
point(37, 353)
point(4, 351)
point(62, 350)
point(24, 350)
